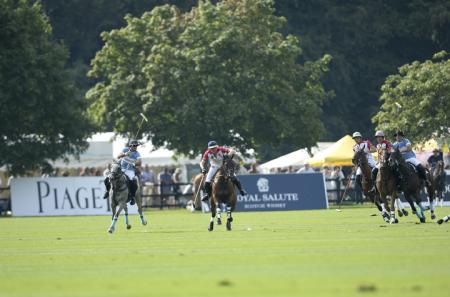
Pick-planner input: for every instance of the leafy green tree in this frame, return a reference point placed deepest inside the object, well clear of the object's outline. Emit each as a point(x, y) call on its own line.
point(368, 39)
point(417, 99)
point(221, 72)
point(40, 118)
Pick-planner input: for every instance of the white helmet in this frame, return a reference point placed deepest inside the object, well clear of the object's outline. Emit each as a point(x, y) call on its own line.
point(356, 134)
point(379, 133)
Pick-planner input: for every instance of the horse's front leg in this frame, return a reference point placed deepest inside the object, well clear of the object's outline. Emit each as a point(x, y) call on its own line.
point(114, 218)
point(213, 215)
point(125, 208)
point(219, 214)
point(431, 198)
point(229, 216)
point(393, 219)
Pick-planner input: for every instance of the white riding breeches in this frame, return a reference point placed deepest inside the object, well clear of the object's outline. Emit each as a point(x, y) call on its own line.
point(212, 171)
point(371, 163)
point(130, 173)
point(413, 161)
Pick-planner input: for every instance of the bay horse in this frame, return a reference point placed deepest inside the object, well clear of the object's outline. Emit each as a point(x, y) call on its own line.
point(409, 182)
point(360, 160)
point(223, 192)
point(386, 184)
point(438, 183)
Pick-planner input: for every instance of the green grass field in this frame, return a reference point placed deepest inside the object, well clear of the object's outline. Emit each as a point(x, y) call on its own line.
point(301, 253)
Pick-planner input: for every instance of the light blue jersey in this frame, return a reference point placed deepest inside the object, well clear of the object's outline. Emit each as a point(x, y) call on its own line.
point(402, 144)
point(127, 162)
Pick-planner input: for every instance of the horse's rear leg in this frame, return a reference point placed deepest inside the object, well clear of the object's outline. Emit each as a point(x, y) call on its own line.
point(400, 208)
point(213, 215)
point(141, 213)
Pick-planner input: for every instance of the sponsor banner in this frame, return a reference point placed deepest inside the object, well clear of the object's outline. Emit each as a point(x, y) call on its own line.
point(271, 192)
point(60, 196)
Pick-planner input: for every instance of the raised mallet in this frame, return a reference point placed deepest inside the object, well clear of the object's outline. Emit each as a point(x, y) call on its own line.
point(144, 118)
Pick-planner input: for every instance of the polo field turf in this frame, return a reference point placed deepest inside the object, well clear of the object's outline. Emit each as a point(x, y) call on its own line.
point(293, 253)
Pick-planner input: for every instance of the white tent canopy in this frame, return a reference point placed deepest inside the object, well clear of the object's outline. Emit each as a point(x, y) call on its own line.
point(103, 147)
point(292, 159)
point(295, 159)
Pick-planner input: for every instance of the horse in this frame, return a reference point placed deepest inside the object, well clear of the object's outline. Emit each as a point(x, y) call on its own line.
point(360, 160)
point(119, 195)
point(409, 182)
point(386, 184)
point(438, 183)
point(198, 182)
point(223, 192)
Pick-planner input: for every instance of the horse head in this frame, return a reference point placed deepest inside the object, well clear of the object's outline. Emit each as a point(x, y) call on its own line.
point(384, 157)
point(395, 159)
point(116, 171)
point(359, 158)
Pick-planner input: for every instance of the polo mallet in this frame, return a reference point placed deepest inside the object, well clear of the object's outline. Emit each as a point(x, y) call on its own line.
point(198, 190)
point(144, 118)
point(346, 188)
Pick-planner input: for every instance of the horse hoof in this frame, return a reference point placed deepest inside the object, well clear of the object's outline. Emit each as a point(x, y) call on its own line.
point(219, 222)
point(144, 223)
point(440, 221)
point(128, 227)
point(110, 230)
point(422, 220)
point(433, 216)
point(405, 212)
point(231, 219)
point(400, 214)
point(229, 225)
point(396, 221)
point(211, 226)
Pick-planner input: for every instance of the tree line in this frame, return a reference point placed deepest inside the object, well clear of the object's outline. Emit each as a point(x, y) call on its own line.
point(284, 73)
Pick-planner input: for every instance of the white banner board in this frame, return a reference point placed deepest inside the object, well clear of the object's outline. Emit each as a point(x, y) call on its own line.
point(60, 196)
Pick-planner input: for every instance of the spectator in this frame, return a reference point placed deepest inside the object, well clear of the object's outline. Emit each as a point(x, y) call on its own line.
point(85, 171)
point(327, 175)
point(165, 181)
point(176, 178)
point(336, 176)
point(254, 169)
point(65, 173)
point(306, 169)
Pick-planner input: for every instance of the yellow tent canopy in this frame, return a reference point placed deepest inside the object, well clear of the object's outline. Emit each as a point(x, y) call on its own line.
point(426, 146)
point(340, 154)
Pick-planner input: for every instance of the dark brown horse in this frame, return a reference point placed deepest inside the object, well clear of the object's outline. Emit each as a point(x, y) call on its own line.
point(360, 160)
point(438, 184)
point(409, 182)
point(387, 184)
point(223, 192)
